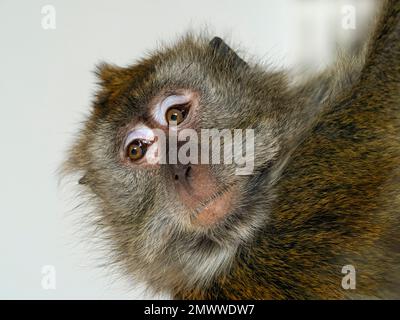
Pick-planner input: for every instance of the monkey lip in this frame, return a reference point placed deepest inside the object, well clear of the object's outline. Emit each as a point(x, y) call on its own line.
point(206, 199)
point(215, 208)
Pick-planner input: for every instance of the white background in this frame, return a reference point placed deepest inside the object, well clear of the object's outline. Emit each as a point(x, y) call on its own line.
point(46, 85)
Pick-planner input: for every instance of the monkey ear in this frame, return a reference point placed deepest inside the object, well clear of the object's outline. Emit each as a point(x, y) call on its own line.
point(110, 74)
point(221, 48)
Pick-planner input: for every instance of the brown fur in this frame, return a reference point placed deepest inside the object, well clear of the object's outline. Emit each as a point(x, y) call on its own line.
point(325, 192)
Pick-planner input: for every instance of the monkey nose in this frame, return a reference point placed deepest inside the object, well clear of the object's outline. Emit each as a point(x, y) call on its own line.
point(181, 172)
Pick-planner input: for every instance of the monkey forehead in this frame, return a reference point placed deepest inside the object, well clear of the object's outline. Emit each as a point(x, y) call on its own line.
point(152, 73)
point(126, 93)
point(190, 62)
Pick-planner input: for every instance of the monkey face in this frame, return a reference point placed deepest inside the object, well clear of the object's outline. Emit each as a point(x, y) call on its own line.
point(153, 204)
point(204, 193)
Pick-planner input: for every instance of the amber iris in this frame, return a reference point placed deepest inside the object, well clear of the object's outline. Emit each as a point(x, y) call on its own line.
point(175, 115)
point(136, 150)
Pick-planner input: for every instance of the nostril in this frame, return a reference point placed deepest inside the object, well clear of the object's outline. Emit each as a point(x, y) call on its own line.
point(181, 172)
point(188, 172)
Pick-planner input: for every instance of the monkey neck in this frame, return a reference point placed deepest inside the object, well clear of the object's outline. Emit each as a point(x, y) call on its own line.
point(301, 107)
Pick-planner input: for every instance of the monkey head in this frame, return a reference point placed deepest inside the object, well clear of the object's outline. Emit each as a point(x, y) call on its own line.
point(175, 225)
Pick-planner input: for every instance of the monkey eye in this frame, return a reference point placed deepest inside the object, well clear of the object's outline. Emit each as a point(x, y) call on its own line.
point(137, 143)
point(175, 115)
point(172, 110)
point(137, 149)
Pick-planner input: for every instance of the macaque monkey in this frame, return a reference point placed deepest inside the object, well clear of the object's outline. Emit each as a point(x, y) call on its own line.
point(323, 193)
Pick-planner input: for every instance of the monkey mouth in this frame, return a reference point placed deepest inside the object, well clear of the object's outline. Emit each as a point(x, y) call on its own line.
point(207, 200)
point(215, 208)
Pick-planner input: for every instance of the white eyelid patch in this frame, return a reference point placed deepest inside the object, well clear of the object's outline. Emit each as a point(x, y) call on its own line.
point(163, 106)
point(142, 133)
